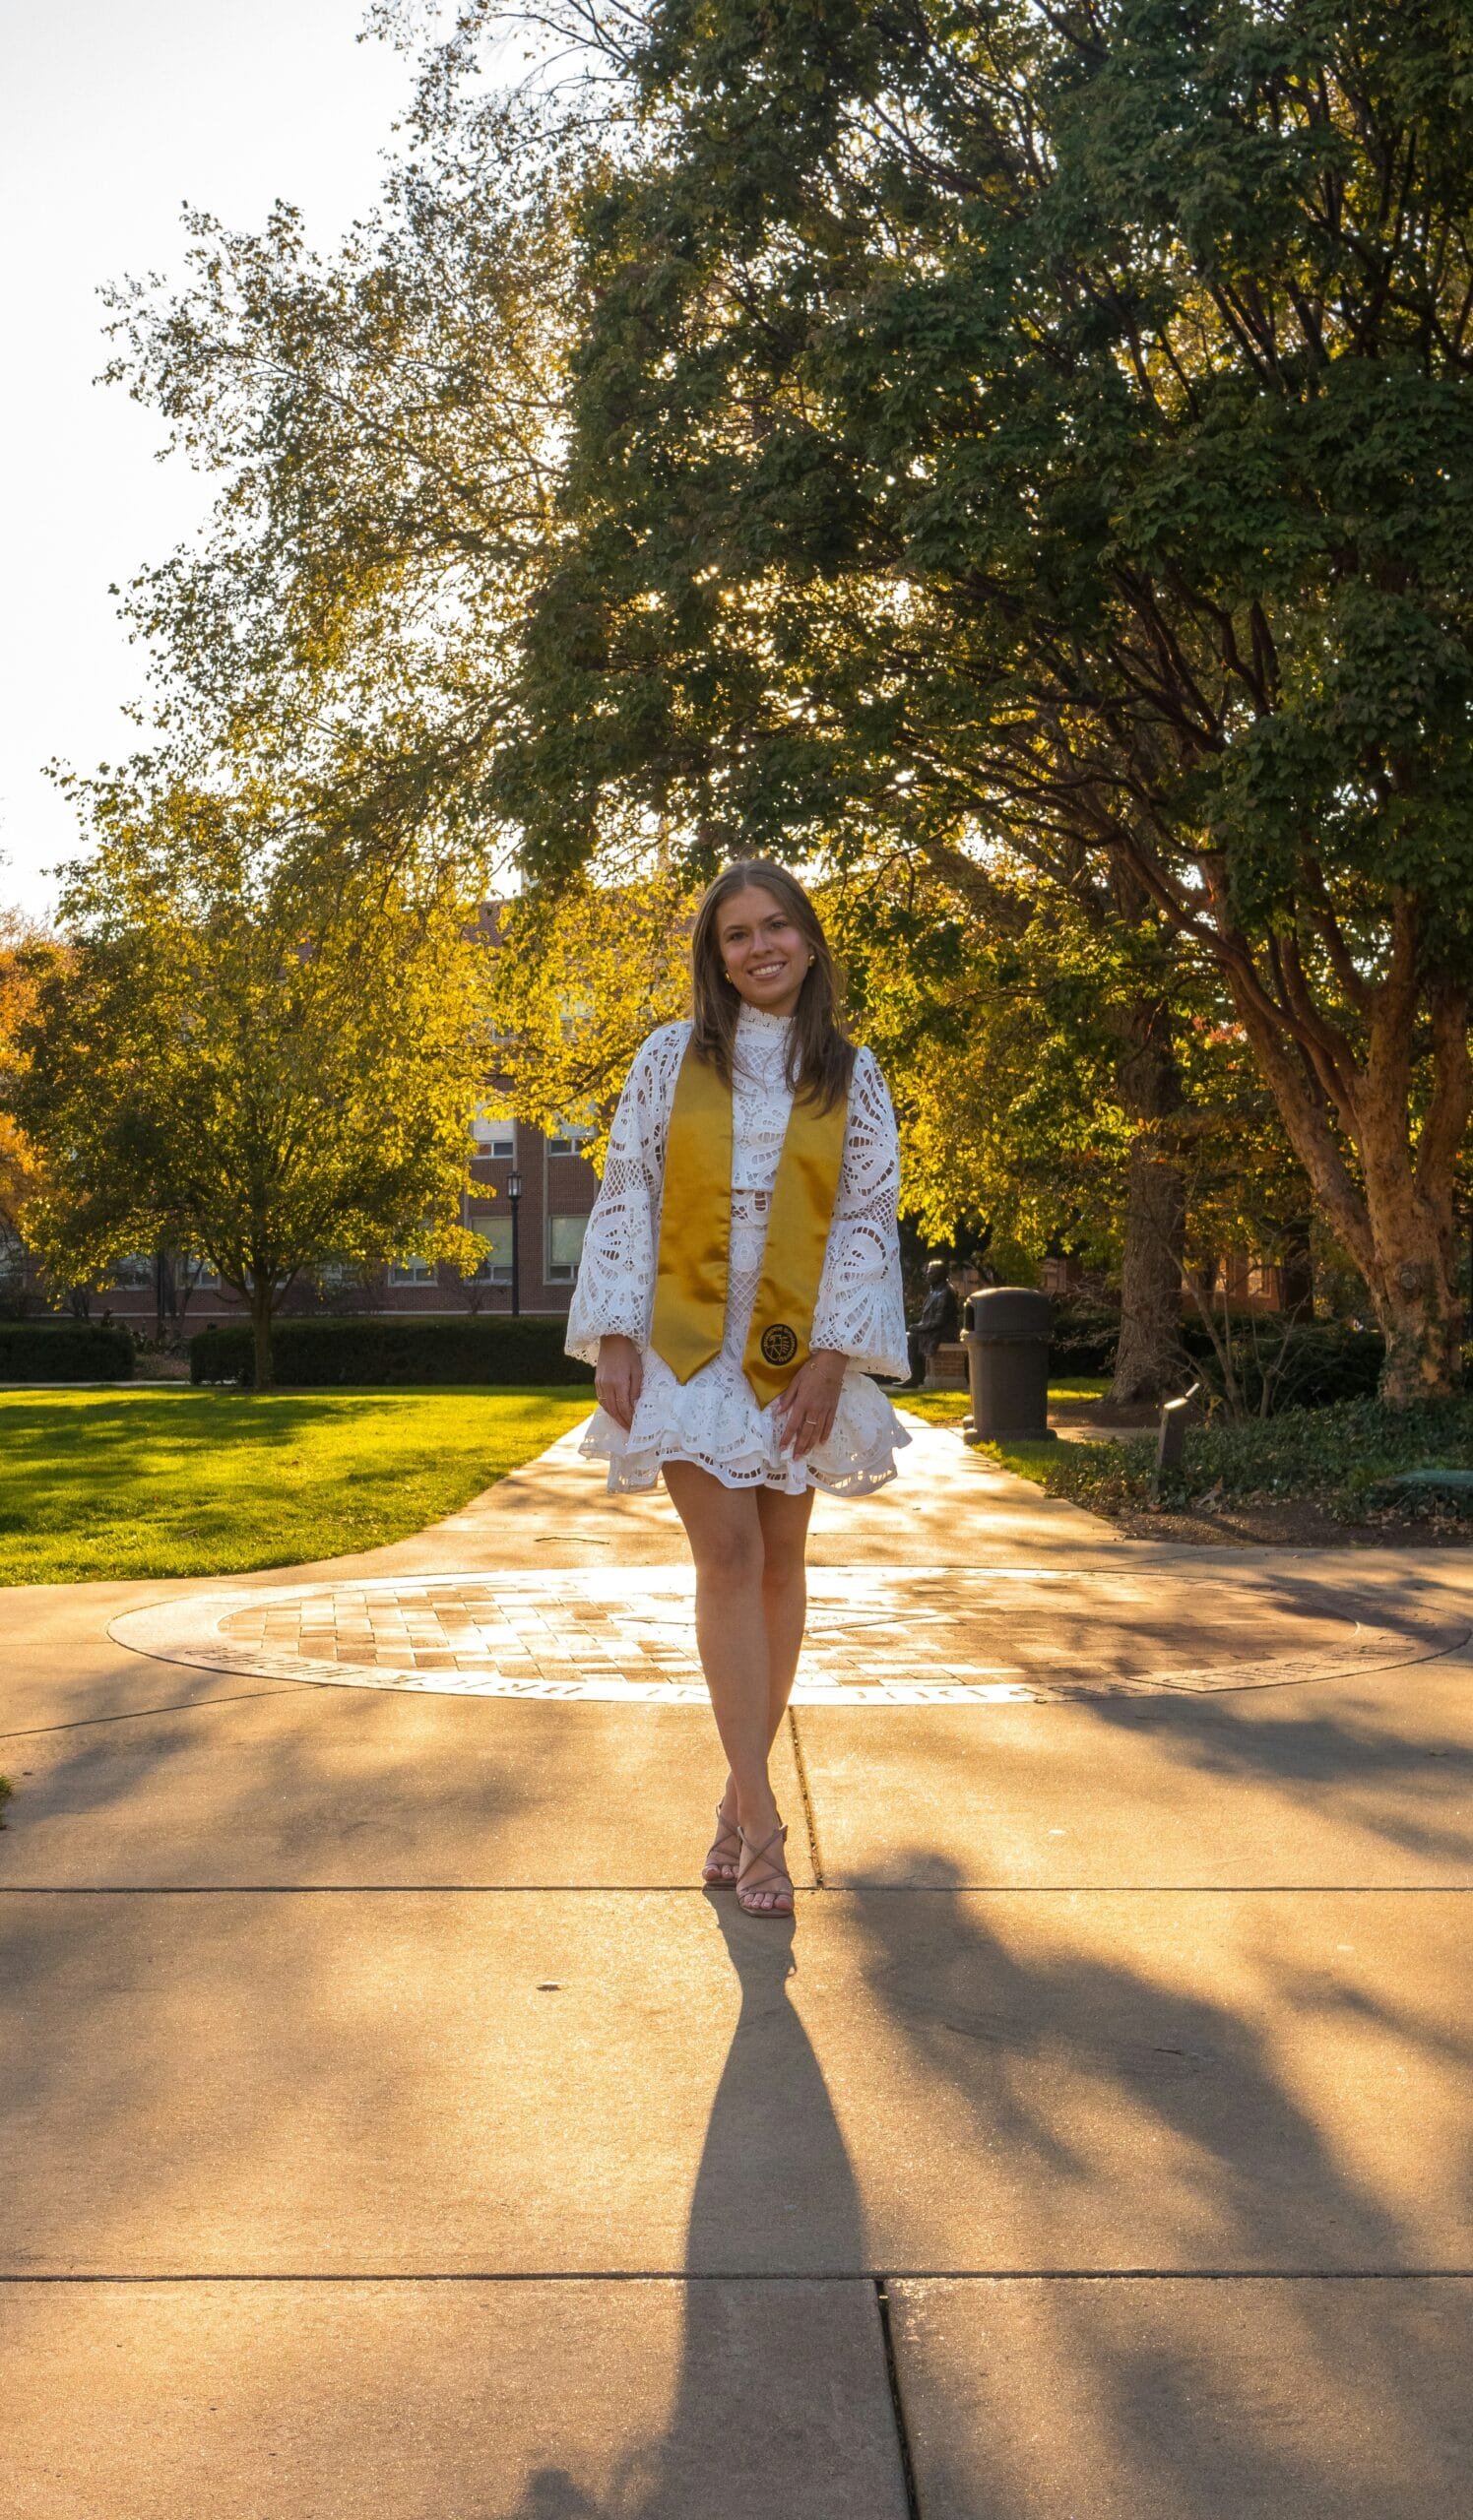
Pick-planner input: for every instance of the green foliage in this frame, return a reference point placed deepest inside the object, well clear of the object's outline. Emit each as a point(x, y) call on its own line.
point(385, 422)
point(386, 1349)
point(1278, 1365)
point(584, 972)
point(247, 1056)
point(1001, 435)
point(1014, 1039)
point(1337, 1458)
point(1010, 441)
point(1083, 1337)
point(27, 953)
point(1275, 1363)
point(65, 1351)
point(97, 1486)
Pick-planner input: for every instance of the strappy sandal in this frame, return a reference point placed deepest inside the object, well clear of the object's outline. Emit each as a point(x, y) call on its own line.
point(775, 1873)
point(719, 1871)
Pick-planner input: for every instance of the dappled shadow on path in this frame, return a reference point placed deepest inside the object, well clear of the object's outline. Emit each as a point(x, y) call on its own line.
point(1126, 2115)
point(1364, 1781)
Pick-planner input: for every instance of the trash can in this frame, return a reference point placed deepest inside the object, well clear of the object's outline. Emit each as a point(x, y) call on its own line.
point(1007, 1340)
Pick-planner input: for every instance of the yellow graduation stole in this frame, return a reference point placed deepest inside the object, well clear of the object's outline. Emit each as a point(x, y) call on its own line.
point(695, 1233)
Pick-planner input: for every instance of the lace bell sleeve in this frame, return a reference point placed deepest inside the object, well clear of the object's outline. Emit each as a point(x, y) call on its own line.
point(615, 1285)
point(861, 1308)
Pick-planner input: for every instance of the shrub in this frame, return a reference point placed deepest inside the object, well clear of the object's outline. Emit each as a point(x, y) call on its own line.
point(1340, 1457)
point(1308, 1365)
point(383, 1349)
point(1084, 1340)
point(64, 1352)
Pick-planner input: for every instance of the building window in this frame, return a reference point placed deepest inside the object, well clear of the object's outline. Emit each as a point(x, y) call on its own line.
point(134, 1272)
point(413, 1271)
point(494, 1131)
point(340, 1278)
point(564, 1247)
point(495, 1268)
point(569, 1137)
point(196, 1277)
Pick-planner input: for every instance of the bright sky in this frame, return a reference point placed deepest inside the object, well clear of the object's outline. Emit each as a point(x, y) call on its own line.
point(113, 112)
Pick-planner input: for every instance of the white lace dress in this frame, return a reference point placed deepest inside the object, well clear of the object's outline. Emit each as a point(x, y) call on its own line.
point(714, 1420)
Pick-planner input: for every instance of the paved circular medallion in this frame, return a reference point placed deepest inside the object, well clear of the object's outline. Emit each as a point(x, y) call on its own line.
point(877, 1636)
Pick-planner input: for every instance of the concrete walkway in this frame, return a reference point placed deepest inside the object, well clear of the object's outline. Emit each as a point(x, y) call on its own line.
point(394, 2127)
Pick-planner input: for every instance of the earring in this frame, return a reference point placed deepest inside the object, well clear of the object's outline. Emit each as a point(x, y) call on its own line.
point(812, 959)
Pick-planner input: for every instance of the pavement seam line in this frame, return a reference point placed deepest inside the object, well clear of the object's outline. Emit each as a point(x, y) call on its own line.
point(897, 2403)
point(866, 2276)
point(697, 1890)
point(810, 1817)
point(141, 1714)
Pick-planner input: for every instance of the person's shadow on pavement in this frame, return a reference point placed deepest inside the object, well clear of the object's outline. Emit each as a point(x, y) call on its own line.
point(775, 2195)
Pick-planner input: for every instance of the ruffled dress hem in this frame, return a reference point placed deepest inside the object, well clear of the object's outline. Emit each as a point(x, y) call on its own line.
point(857, 1458)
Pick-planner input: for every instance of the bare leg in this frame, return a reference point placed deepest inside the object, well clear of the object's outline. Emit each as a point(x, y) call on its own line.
point(784, 1591)
point(724, 1533)
point(785, 1608)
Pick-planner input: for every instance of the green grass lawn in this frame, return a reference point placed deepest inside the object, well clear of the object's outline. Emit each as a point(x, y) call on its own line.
point(949, 1407)
point(211, 1482)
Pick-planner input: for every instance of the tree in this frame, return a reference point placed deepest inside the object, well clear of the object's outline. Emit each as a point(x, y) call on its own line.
point(1066, 1011)
point(247, 1058)
point(1055, 431)
point(1004, 1048)
point(988, 428)
point(583, 972)
point(386, 427)
point(27, 953)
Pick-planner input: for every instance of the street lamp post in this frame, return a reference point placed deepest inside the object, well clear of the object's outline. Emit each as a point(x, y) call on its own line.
point(514, 1193)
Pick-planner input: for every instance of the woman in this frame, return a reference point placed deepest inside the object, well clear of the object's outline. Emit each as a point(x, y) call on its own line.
point(739, 1284)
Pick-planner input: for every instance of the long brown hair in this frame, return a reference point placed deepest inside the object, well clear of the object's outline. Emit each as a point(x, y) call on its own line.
point(820, 1056)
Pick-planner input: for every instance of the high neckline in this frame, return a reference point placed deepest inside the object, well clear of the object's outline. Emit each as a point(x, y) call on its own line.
point(756, 1018)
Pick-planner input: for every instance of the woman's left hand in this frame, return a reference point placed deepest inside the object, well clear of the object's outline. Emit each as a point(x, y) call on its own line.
point(806, 1408)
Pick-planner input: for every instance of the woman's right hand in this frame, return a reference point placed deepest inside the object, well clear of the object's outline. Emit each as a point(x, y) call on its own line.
point(619, 1377)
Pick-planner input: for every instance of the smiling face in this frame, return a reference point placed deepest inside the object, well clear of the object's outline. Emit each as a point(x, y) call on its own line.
point(765, 956)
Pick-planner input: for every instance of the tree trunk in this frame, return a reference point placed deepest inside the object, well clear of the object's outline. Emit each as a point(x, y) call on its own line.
point(1412, 1277)
point(262, 1301)
point(1148, 1357)
point(1297, 1274)
point(1397, 1221)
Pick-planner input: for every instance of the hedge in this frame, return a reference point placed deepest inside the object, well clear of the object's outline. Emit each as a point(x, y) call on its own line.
point(1082, 1340)
point(64, 1352)
point(389, 1348)
point(1308, 1365)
